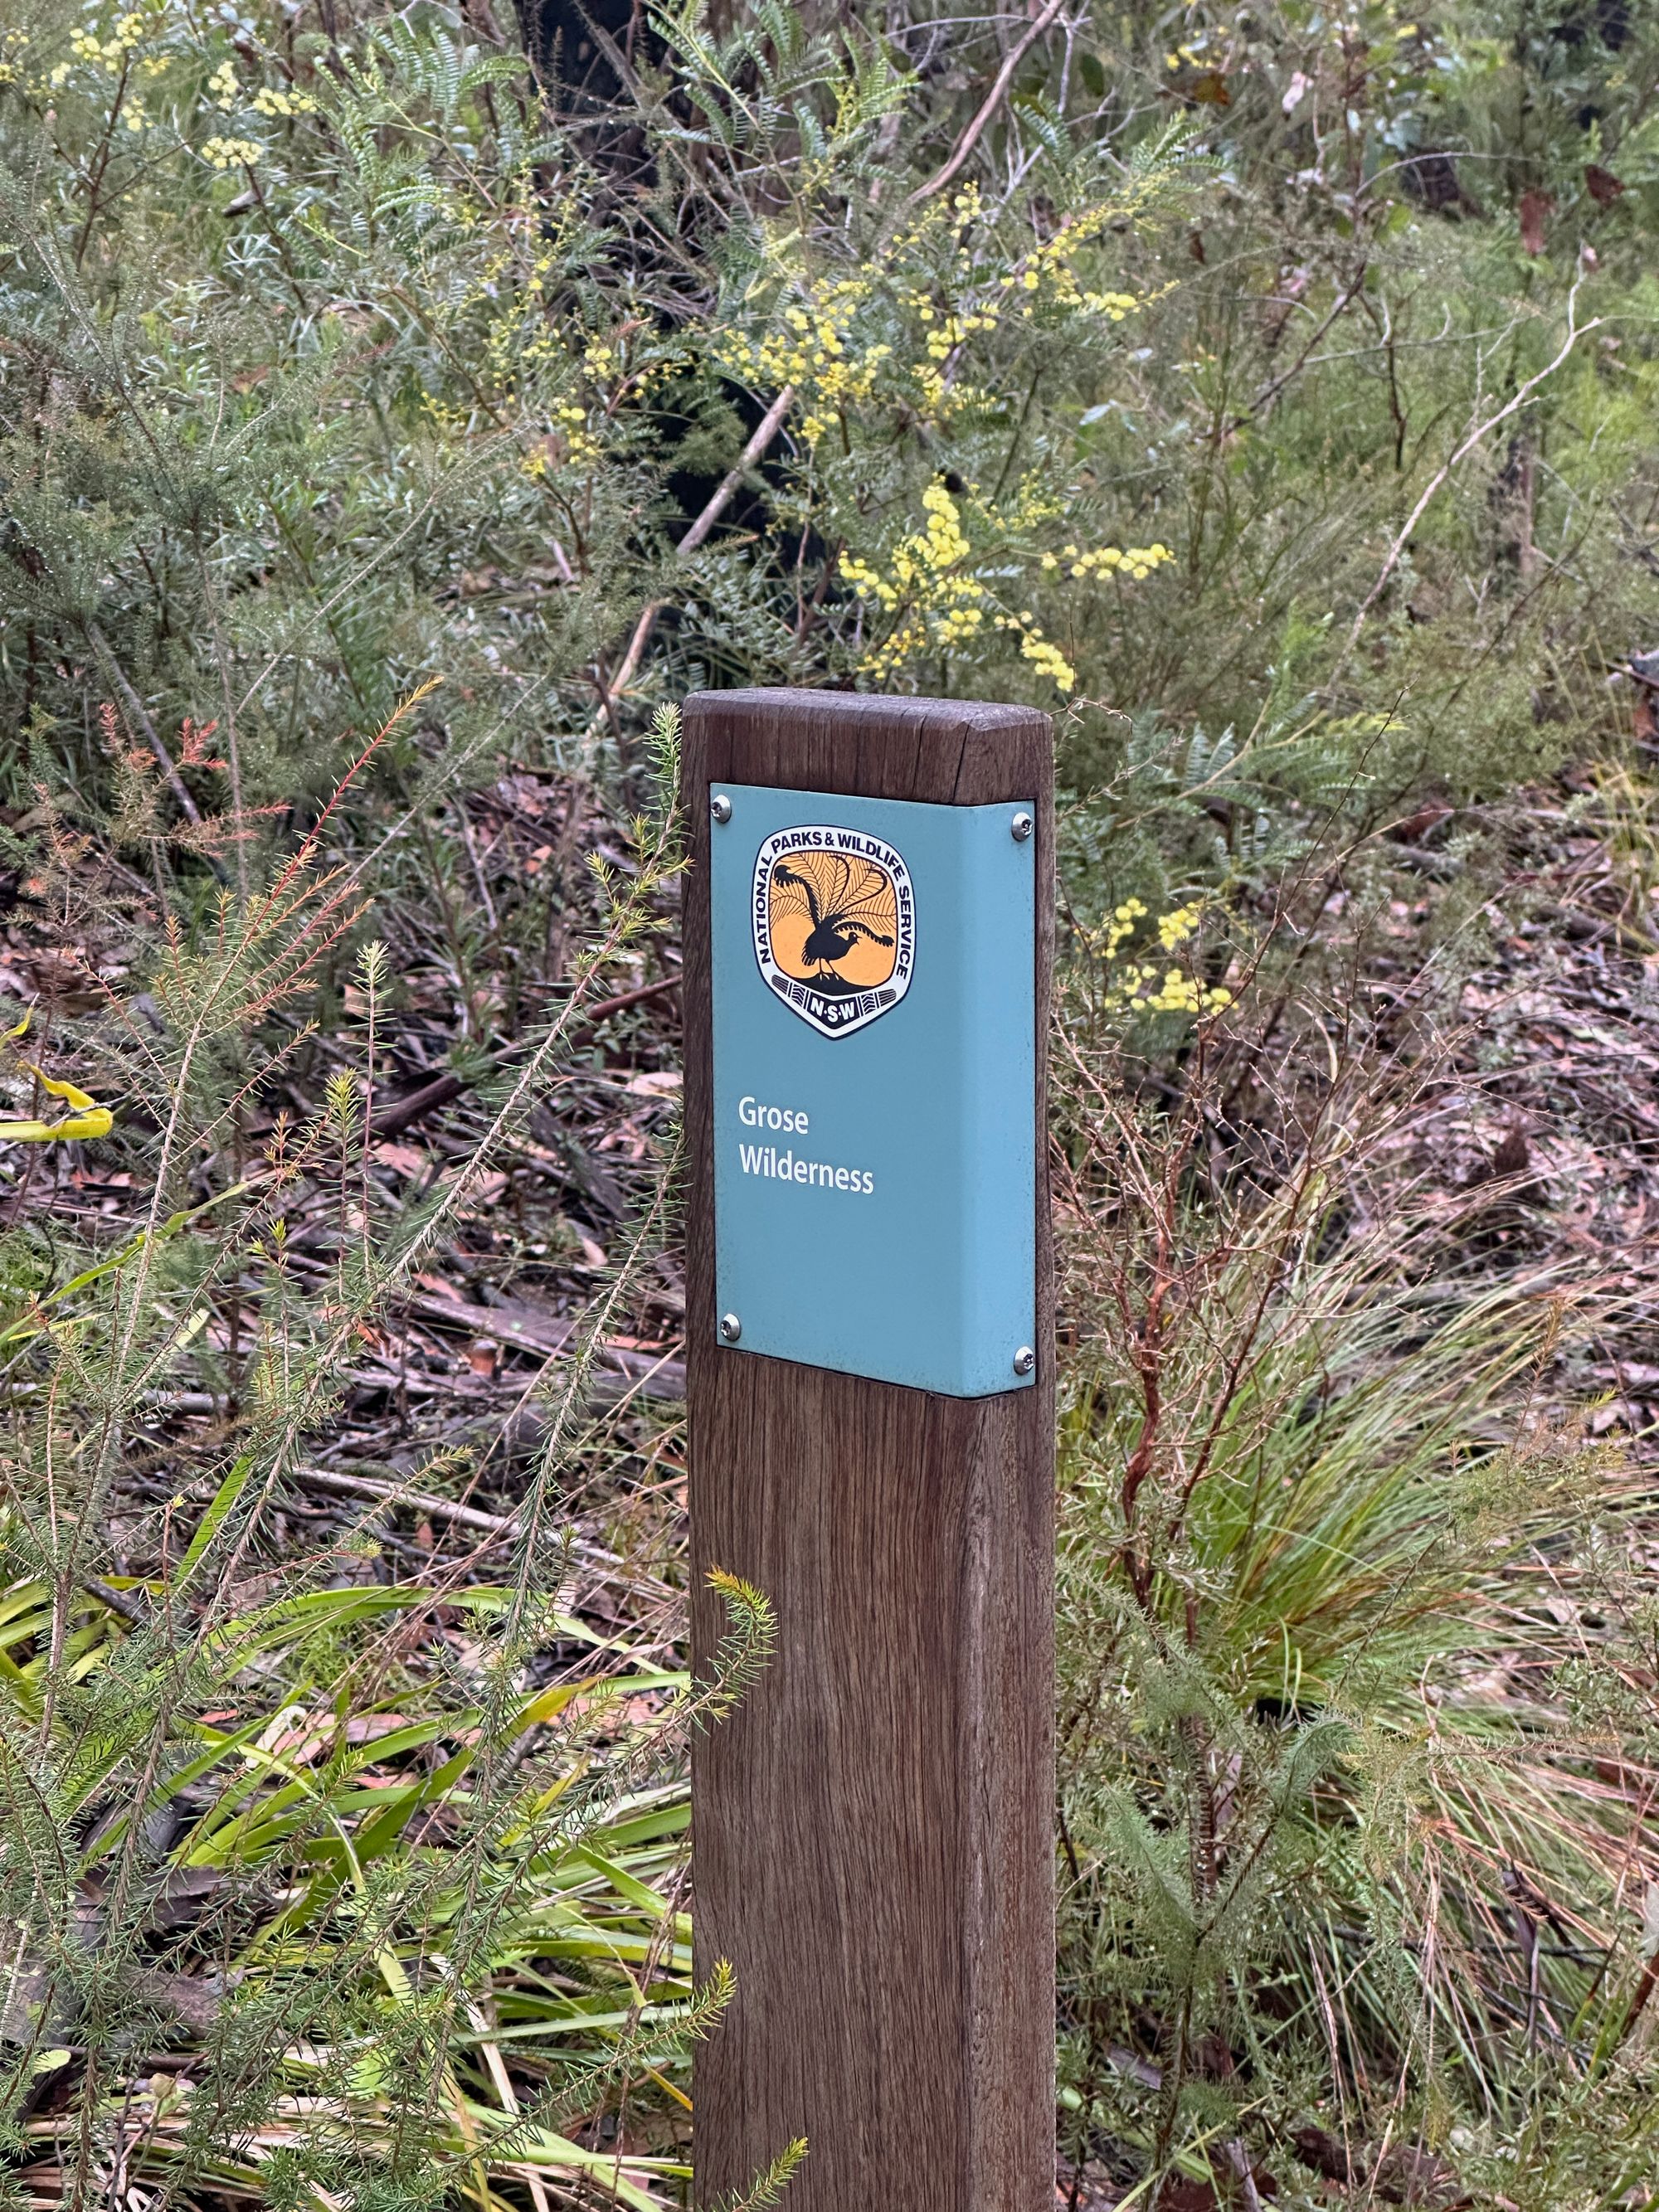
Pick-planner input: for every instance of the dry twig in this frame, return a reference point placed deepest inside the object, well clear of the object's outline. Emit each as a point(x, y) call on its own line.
point(994, 100)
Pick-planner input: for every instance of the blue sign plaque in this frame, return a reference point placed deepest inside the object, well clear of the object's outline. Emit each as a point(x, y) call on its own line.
point(875, 1086)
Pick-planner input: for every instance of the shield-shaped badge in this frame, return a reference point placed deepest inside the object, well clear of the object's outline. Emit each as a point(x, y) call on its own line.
point(835, 923)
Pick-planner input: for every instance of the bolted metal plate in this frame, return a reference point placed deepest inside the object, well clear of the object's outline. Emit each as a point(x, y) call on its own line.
point(875, 1086)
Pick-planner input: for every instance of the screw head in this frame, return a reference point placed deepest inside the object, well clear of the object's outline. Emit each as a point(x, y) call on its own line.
point(1021, 827)
point(1024, 1360)
point(731, 1329)
point(720, 807)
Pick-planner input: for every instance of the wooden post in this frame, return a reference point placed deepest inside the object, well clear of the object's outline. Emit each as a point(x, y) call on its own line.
point(872, 1838)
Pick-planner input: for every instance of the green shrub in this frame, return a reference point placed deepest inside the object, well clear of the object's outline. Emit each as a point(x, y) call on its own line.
point(1356, 1703)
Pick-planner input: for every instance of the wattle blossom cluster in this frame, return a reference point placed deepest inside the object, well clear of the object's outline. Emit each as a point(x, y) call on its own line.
point(929, 583)
point(1138, 986)
point(1134, 561)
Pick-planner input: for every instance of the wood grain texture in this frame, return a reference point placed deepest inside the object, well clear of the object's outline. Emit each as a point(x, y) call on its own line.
point(873, 1841)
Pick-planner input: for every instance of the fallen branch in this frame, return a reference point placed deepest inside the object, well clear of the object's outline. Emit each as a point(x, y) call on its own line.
point(391, 1120)
point(393, 1493)
point(605, 1565)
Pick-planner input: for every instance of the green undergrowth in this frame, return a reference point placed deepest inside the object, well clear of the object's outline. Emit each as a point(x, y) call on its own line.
point(294, 1905)
point(1357, 1697)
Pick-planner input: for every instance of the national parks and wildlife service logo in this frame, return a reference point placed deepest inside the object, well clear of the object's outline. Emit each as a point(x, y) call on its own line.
point(835, 918)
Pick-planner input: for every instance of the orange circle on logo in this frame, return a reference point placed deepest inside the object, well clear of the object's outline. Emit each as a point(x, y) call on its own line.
point(833, 919)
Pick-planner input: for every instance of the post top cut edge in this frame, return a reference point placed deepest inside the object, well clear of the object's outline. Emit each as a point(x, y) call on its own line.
point(959, 752)
point(791, 703)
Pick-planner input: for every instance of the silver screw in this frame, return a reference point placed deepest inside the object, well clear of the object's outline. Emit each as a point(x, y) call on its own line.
point(720, 807)
point(1021, 827)
point(1024, 1360)
point(730, 1327)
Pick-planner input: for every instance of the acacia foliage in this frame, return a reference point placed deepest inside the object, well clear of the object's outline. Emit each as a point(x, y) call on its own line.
point(339, 352)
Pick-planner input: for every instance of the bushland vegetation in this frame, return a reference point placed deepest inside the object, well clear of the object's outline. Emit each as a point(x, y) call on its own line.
point(401, 410)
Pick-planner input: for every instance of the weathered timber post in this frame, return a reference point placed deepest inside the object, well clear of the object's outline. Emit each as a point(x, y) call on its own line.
point(868, 947)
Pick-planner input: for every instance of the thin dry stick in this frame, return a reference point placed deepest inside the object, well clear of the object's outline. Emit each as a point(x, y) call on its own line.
point(1574, 333)
point(134, 707)
point(765, 431)
point(994, 100)
point(1269, 392)
point(604, 1565)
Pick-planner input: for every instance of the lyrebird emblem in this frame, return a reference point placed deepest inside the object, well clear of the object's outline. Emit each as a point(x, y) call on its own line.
point(834, 925)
